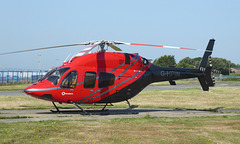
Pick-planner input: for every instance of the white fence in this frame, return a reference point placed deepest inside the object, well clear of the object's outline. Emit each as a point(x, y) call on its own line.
point(20, 76)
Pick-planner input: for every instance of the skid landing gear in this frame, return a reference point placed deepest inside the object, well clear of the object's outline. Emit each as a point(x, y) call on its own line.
point(130, 108)
point(103, 111)
point(56, 108)
point(58, 111)
point(78, 107)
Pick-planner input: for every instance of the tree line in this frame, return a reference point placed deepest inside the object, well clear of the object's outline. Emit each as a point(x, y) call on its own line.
point(219, 64)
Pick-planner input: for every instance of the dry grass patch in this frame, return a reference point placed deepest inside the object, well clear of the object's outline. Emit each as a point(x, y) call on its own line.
point(26, 102)
point(13, 87)
point(164, 83)
point(227, 97)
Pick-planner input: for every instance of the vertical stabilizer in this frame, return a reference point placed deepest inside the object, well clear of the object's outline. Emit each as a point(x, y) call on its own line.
point(207, 53)
point(206, 79)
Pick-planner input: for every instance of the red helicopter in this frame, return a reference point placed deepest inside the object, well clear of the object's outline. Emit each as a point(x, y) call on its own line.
point(110, 77)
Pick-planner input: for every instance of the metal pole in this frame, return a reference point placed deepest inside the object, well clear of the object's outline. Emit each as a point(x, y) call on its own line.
point(2, 77)
point(229, 69)
point(27, 76)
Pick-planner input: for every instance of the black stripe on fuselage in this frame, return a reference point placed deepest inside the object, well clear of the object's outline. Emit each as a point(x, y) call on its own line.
point(153, 74)
point(131, 90)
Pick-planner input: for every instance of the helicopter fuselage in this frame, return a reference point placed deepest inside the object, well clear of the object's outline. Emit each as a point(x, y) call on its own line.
point(104, 77)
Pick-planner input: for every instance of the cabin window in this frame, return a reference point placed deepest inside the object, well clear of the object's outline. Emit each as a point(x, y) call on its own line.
point(127, 58)
point(144, 61)
point(106, 79)
point(55, 76)
point(70, 81)
point(90, 80)
point(48, 73)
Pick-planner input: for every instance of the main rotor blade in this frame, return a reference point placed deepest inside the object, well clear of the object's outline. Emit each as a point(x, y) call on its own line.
point(171, 47)
point(115, 47)
point(86, 43)
point(86, 50)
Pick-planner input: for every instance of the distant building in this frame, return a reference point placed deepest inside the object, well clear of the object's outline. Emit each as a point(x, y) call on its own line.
point(235, 70)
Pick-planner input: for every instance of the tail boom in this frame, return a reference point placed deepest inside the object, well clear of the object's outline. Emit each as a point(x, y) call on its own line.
point(203, 73)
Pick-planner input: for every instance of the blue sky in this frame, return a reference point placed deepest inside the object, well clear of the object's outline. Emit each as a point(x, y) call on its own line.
point(31, 24)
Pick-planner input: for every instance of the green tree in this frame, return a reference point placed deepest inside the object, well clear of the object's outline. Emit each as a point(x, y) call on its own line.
point(165, 61)
point(219, 64)
point(185, 65)
point(189, 62)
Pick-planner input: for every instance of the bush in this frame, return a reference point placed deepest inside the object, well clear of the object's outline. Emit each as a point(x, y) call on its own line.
point(231, 79)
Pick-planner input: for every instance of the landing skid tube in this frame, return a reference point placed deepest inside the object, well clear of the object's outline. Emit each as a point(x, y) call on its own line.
point(82, 110)
point(86, 113)
point(58, 111)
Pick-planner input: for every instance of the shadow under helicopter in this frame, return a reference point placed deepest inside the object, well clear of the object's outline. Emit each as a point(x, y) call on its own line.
point(119, 111)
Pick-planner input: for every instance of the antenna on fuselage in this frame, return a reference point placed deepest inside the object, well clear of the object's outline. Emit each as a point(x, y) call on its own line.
point(67, 58)
point(72, 58)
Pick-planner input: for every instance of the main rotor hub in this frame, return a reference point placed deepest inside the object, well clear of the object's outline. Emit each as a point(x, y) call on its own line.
point(102, 46)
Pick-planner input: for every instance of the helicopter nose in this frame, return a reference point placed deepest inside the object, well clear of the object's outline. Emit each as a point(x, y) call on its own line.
point(32, 91)
point(40, 90)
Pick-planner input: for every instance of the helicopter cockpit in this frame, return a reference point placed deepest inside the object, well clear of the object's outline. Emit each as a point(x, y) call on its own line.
point(55, 75)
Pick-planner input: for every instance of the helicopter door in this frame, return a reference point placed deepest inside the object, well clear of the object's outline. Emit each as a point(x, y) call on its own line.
point(105, 83)
point(93, 89)
point(89, 84)
point(68, 86)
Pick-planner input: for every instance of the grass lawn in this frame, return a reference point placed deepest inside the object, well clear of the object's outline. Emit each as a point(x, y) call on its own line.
point(187, 82)
point(225, 97)
point(200, 130)
point(13, 87)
